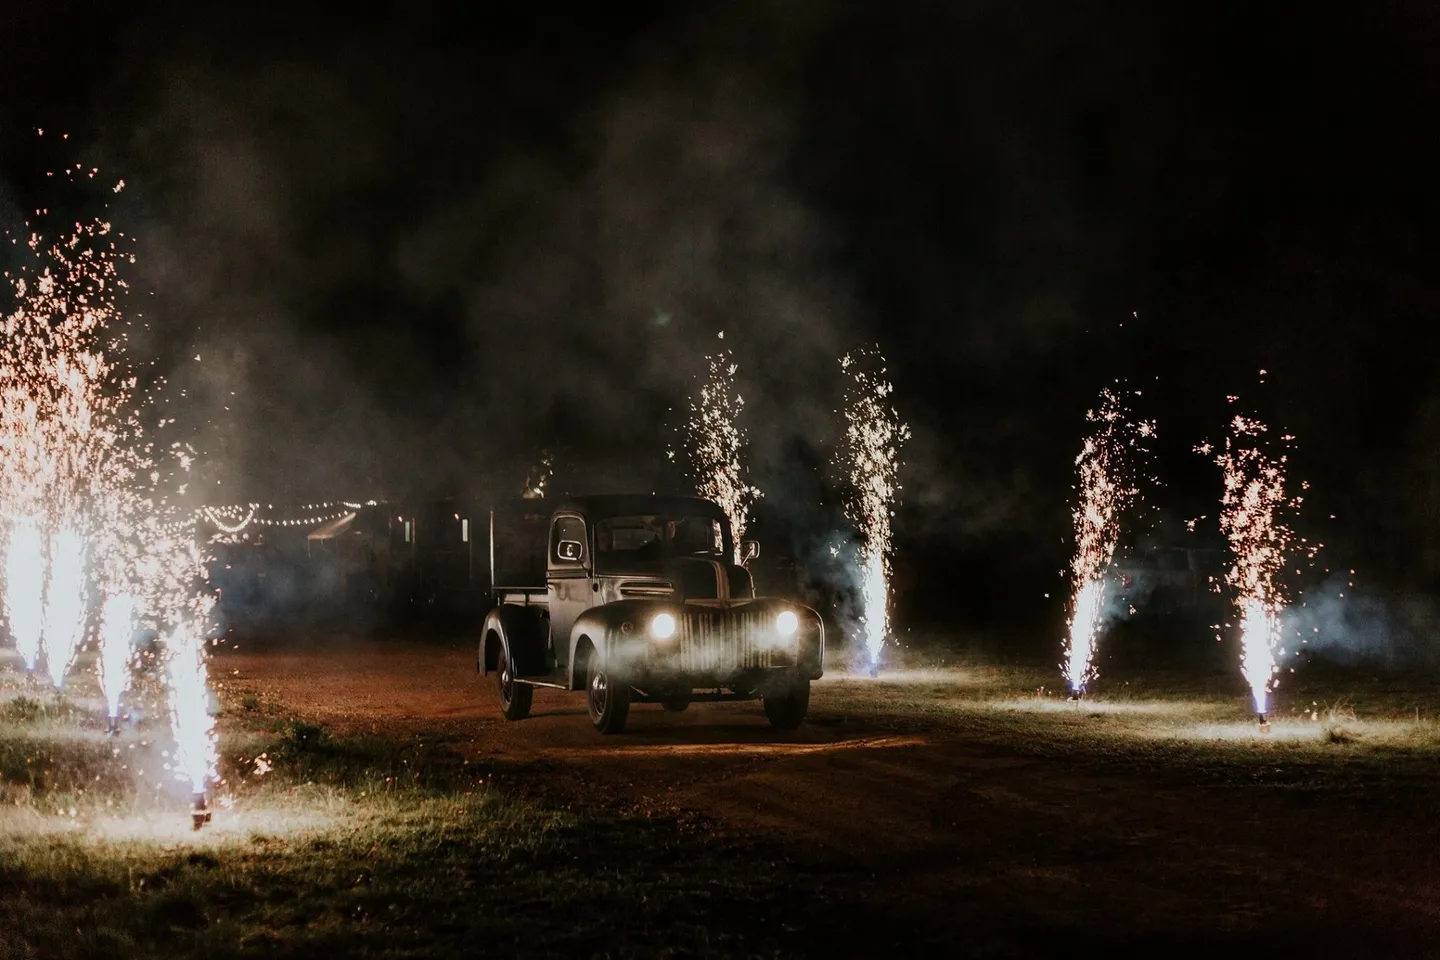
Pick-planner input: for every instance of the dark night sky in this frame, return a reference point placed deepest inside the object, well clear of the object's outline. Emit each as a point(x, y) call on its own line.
point(419, 248)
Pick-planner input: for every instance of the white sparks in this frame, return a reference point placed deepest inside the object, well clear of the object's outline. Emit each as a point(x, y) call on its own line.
point(871, 460)
point(1251, 517)
point(117, 628)
point(25, 587)
point(65, 599)
point(717, 445)
point(194, 759)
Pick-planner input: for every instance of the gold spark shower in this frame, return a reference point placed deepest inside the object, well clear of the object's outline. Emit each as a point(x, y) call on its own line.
point(83, 489)
point(871, 461)
point(1107, 487)
point(1252, 516)
point(717, 444)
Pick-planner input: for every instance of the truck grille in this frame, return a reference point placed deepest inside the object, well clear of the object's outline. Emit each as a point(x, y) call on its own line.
point(721, 641)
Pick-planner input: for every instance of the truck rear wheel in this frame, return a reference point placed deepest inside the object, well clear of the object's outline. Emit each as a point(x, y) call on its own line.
point(515, 697)
point(786, 706)
point(607, 696)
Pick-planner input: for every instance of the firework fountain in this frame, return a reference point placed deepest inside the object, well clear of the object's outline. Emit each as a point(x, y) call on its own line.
point(82, 487)
point(871, 460)
point(717, 444)
point(193, 762)
point(1252, 516)
point(1107, 487)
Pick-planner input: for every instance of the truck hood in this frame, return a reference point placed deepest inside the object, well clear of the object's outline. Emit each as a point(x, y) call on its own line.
point(687, 578)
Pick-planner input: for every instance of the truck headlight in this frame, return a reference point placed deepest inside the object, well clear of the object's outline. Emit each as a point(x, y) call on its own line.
point(787, 623)
point(662, 627)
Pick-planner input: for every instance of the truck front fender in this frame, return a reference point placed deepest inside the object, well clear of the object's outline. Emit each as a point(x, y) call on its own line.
point(600, 631)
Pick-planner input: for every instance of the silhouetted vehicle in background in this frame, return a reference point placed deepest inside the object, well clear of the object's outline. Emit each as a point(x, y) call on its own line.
point(1168, 580)
point(637, 599)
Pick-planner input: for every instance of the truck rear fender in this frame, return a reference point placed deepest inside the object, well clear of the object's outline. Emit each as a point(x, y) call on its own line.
point(517, 632)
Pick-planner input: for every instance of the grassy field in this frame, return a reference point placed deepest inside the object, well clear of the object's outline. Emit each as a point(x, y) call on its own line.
point(404, 845)
point(352, 846)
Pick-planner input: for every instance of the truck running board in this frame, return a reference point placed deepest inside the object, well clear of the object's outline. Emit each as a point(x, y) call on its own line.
point(542, 683)
point(640, 696)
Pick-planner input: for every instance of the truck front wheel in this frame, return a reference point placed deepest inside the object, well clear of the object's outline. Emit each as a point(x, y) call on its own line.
point(787, 705)
point(515, 697)
point(608, 696)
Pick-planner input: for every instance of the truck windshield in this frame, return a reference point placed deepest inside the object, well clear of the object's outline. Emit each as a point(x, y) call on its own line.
point(650, 537)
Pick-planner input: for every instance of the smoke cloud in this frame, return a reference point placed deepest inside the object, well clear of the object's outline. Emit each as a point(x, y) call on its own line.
point(389, 300)
point(1351, 625)
point(411, 252)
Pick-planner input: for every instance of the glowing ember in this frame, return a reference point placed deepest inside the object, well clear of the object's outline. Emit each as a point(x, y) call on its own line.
point(117, 629)
point(193, 761)
point(25, 587)
point(64, 602)
point(1251, 517)
point(871, 459)
point(717, 445)
point(1107, 488)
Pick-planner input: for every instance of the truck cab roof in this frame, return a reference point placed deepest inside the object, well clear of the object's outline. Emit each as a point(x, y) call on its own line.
point(621, 504)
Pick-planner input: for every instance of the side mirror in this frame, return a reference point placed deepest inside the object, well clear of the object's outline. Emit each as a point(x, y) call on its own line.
point(749, 550)
point(570, 550)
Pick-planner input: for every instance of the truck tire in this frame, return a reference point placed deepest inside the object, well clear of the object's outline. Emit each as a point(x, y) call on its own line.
point(515, 697)
point(607, 696)
point(786, 706)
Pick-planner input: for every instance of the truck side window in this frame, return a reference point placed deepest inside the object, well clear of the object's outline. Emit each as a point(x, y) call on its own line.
point(567, 542)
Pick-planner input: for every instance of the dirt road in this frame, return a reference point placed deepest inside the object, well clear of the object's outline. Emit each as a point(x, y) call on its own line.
point(958, 825)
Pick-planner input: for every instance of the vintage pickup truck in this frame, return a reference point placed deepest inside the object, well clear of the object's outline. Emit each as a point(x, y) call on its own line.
point(641, 602)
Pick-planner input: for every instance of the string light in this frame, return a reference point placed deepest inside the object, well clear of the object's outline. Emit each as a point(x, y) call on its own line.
point(237, 517)
point(215, 519)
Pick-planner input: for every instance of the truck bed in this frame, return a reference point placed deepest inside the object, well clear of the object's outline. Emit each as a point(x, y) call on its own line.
point(523, 596)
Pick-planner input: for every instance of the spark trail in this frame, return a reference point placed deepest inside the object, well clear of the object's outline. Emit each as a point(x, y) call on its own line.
point(870, 459)
point(1107, 488)
point(65, 601)
point(117, 627)
point(717, 444)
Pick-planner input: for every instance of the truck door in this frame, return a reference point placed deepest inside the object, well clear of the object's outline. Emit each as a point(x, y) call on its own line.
point(568, 581)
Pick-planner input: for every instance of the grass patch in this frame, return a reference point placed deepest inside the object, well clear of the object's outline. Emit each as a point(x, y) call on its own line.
point(396, 845)
point(367, 846)
point(1330, 731)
